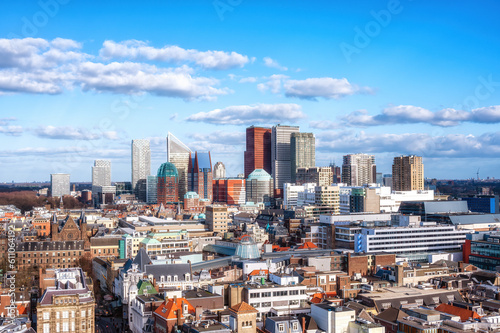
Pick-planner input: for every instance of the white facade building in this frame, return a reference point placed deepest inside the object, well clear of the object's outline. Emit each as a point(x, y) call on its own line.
point(141, 160)
point(59, 184)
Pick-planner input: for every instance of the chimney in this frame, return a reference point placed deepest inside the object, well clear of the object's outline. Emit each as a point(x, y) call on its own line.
point(303, 324)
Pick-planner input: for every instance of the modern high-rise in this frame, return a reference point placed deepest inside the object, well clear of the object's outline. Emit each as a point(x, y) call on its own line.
point(141, 161)
point(167, 184)
point(101, 173)
point(200, 175)
point(179, 155)
point(407, 173)
point(321, 176)
point(359, 169)
point(152, 190)
point(229, 190)
point(280, 154)
point(101, 179)
point(302, 152)
point(258, 150)
point(59, 184)
point(219, 170)
point(259, 187)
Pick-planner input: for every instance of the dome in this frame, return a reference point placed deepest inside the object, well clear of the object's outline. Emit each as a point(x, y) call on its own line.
point(259, 174)
point(167, 170)
point(191, 195)
point(247, 248)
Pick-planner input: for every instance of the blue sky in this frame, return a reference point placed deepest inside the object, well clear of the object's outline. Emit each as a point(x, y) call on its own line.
point(80, 80)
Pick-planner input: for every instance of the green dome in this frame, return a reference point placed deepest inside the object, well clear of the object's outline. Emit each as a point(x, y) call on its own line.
point(191, 195)
point(167, 170)
point(259, 174)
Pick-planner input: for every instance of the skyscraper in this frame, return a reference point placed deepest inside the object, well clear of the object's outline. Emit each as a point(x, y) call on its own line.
point(280, 154)
point(200, 175)
point(219, 170)
point(141, 161)
point(151, 189)
point(407, 173)
point(302, 152)
point(359, 169)
point(179, 155)
point(258, 150)
point(101, 173)
point(59, 184)
point(168, 184)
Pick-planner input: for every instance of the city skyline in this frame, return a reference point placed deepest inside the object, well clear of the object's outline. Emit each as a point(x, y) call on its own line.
point(385, 79)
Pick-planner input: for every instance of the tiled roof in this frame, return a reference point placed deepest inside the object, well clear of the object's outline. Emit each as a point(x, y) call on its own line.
point(243, 307)
point(167, 310)
point(308, 245)
point(456, 311)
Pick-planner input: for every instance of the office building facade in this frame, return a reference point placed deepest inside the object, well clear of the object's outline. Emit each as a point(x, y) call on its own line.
point(167, 184)
point(302, 152)
point(281, 154)
point(359, 169)
point(179, 155)
point(200, 175)
point(407, 173)
point(152, 189)
point(258, 150)
point(59, 184)
point(229, 190)
point(141, 161)
point(259, 187)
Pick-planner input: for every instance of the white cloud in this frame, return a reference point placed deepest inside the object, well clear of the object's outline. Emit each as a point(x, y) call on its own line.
point(12, 130)
point(138, 50)
point(251, 114)
point(325, 87)
point(133, 78)
point(250, 79)
point(274, 64)
point(273, 83)
point(73, 133)
point(409, 114)
point(424, 144)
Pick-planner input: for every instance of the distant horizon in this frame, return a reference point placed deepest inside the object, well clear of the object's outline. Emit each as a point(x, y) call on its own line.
point(386, 78)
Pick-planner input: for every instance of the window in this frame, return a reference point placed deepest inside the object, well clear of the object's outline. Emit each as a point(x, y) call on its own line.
point(65, 327)
point(295, 326)
point(65, 314)
point(57, 313)
point(46, 315)
point(72, 326)
point(281, 327)
point(46, 328)
point(83, 313)
point(57, 327)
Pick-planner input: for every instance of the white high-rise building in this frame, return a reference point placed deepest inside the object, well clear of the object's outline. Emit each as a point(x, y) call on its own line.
point(179, 155)
point(101, 173)
point(141, 161)
point(280, 154)
point(359, 169)
point(219, 171)
point(59, 184)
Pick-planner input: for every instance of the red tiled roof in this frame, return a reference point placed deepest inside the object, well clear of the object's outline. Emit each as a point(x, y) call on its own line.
point(167, 309)
point(243, 307)
point(259, 272)
point(456, 311)
point(316, 300)
point(307, 245)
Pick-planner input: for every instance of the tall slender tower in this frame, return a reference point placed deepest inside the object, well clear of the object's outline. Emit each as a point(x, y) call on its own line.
point(280, 154)
point(200, 175)
point(258, 150)
point(407, 173)
point(141, 162)
point(302, 152)
point(179, 155)
point(359, 169)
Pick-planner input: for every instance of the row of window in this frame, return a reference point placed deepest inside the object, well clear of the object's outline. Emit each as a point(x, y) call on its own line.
point(66, 314)
point(47, 254)
point(269, 304)
point(278, 293)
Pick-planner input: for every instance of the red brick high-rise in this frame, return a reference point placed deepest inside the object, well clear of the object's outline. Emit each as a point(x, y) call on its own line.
point(229, 190)
point(258, 152)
